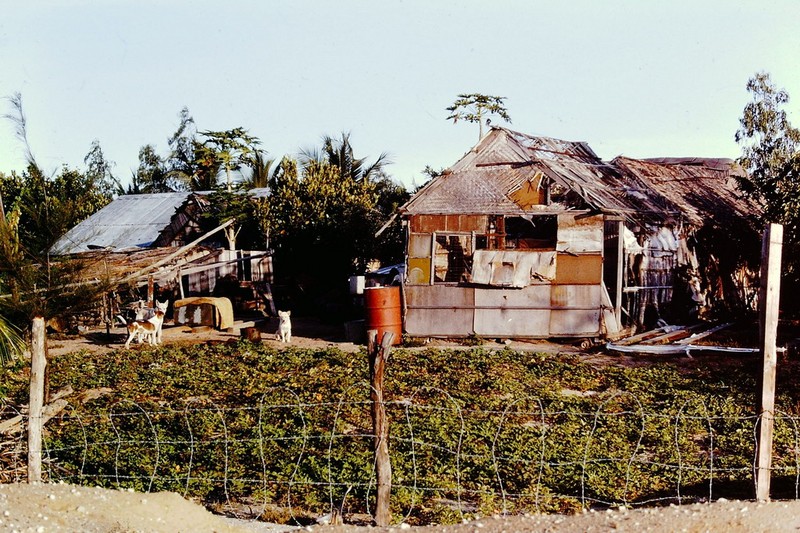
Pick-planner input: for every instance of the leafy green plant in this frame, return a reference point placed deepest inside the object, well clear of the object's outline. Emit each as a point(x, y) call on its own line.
point(472, 432)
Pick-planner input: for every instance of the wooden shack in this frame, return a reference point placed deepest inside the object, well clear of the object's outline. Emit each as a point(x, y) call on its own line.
point(534, 237)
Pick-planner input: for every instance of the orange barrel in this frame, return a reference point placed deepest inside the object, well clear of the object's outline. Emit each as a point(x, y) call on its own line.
point(382, 306)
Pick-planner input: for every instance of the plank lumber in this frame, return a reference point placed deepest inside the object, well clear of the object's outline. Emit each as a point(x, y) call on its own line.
point(675, 335)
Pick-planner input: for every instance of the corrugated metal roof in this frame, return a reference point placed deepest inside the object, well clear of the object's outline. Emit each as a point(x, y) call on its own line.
point(128, 222)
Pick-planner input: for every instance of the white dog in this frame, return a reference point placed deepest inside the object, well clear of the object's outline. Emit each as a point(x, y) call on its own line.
point(147, 325)
point(284, 332)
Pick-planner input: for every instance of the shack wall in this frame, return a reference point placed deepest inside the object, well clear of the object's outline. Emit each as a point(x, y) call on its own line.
point(531, 312)
point(563, 299)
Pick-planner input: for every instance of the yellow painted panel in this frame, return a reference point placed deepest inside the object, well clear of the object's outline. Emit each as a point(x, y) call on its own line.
point(419, 271)
point(579, 269)
point(530, 193)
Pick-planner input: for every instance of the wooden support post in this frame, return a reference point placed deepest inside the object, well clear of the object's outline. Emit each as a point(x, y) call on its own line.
point(107, 314)
point(768, 302)
point(378, 355)
point(620, 272)
point(38, 364)
point(180, 283)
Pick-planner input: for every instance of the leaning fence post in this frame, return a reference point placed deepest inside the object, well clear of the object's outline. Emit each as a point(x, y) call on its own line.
point(38, 365)
point(378, 355)
point(768, 304)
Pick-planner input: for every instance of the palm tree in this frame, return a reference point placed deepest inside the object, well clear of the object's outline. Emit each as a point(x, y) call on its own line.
point(12, 344)
point(339, 153)
point(261, 168)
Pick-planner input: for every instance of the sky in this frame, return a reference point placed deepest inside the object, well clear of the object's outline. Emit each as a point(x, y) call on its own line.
point(640, 78)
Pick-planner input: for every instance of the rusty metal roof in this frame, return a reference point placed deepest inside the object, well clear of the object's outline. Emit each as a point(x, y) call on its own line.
point(483, 180)
point(128, 222)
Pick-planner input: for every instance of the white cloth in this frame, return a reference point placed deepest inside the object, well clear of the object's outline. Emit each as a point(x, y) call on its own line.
point(512, 268)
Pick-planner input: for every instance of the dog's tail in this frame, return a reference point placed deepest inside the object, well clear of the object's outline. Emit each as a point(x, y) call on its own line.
point(122, 319)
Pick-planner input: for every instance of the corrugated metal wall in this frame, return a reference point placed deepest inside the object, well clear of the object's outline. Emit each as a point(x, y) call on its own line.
point(570, 305)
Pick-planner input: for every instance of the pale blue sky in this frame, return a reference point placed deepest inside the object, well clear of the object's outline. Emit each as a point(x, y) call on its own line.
point(640, 78)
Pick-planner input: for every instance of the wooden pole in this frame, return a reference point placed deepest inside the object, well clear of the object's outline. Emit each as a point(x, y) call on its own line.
point(151, 292)
point(38, 365)
point(180, 283)
point(378, 355)
point(177, 253)
point(768, 302)
point(620, 271)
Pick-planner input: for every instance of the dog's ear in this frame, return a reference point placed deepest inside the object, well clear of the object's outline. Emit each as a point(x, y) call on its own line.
point(288, 313)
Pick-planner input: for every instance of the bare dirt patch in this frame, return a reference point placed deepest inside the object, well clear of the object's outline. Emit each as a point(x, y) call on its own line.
point(60, 507)
point(306, 333)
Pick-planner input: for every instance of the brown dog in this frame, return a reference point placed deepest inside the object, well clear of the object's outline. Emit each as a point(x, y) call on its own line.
point(149, 329)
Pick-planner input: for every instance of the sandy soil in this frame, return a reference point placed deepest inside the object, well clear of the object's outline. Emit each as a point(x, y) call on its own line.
point(306, 333)
point(49, 508)
point(727, 516)
point(46, 508)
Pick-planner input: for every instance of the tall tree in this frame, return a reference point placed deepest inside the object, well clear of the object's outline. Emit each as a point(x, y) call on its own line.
point(98, 170)
point(31, 281)
point(770, 152)
point(771, 158)
point(180, 163)
point(154, 176)
point(226, 151)
point(339, 153)
point(324, 212)
point(477, 107)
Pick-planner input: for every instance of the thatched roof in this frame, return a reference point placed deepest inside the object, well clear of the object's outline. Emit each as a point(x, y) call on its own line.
point(486, 180)
point(700, 189)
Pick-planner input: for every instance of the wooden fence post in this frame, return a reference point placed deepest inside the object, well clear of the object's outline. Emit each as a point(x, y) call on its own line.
point(151, 292)
point(768, 303)
point(378, 355)
point(38, 365)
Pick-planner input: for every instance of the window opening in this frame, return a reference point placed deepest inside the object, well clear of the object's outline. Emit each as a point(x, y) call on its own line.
point(453, 258)
point(532, 232)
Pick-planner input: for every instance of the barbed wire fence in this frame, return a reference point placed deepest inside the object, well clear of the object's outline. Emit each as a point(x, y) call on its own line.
point(288, 458)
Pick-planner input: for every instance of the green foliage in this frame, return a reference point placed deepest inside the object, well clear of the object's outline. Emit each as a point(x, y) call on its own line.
point(153, 175)
point(475, 107)
point(180, 162)
point(38, 210)
point(48, 207)
point(331, 205)
point(220, 151)
point(12, 344)
point(769, 149)
point(260, 171)
point(771, 156)
point(248, 231)
point(472, 431)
